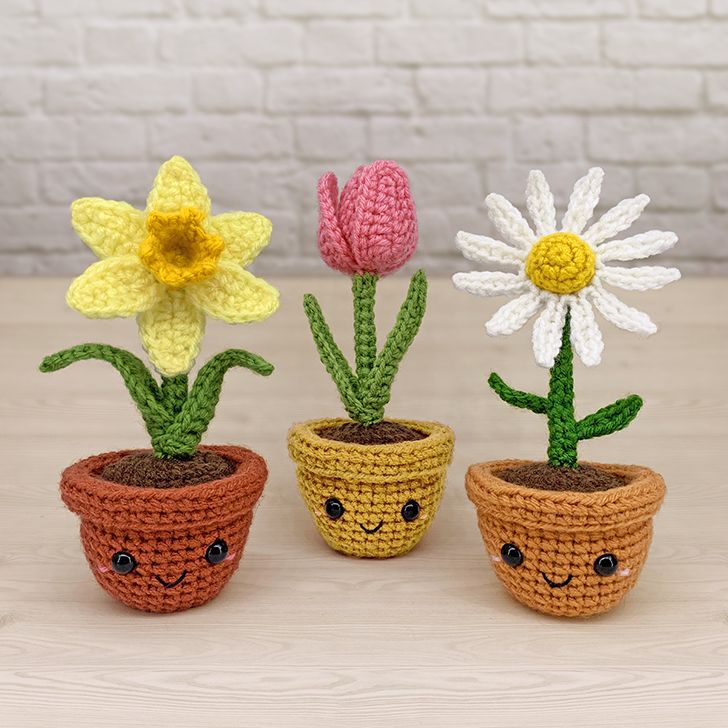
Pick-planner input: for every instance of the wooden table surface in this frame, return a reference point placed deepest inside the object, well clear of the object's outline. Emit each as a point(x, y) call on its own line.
point(302, 636)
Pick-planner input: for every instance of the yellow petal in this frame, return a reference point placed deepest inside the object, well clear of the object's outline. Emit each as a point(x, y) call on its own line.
point(234, 295)
point(108, 227)
point(177, 185)
point(171, 332)
point(119, 286)
point(245, 234)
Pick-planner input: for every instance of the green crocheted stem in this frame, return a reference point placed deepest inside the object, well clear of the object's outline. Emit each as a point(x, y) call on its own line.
point(565, 431)
point(365, 393)
point(175, 417)
point(364, 289)
point(563, 435)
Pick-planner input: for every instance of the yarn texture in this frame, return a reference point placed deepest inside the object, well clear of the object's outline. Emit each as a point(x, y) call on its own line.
point(373, 483)
point(561, 534)
point(166, 531)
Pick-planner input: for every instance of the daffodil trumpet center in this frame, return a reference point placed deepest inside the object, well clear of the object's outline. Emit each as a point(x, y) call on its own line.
point(561, 263)
point(178, 250)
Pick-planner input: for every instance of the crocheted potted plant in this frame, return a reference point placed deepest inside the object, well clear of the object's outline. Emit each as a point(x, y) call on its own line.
point(373, 485)
point(566, 537)
point(164, 529)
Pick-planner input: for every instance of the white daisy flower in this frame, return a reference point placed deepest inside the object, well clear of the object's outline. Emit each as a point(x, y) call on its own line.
point(564, 270)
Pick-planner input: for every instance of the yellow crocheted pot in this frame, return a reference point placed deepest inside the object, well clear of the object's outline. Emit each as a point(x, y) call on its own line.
point(562, 534)
point(372, 483)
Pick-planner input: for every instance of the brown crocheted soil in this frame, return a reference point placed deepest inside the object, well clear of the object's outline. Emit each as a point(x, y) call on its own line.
point(584, 479)
point(383, 433)
point(144, 470)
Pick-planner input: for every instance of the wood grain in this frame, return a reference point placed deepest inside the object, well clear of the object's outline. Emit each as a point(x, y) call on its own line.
point(305, 637)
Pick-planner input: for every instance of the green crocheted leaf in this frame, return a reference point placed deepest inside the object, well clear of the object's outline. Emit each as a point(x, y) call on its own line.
point(183, 435)
point(609, 419)
point(332, 358)
point(516, 397)
point(376, 389)
point(141, 385)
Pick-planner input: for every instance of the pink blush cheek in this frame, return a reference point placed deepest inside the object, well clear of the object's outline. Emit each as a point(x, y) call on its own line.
point(230, 556)
point(102, 569)
point(624, 572)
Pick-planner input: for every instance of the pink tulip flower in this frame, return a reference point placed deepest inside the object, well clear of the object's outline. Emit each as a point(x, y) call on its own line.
point(373, 227)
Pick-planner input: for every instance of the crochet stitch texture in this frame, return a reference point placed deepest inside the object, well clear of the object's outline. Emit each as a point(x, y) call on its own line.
point(373, 483)
point(165, 530)
point(561, 533)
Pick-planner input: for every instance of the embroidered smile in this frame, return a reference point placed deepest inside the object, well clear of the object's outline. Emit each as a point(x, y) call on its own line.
point(171, 584)
point(556, 584)
point(372, 530)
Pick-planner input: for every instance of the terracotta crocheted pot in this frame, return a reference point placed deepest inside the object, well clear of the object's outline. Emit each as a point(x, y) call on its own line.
point(372, 501)
point(178, 546)
point(575, 554)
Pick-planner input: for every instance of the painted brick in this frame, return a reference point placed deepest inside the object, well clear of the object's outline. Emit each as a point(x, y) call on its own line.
point(656, 139)
point(675, 188)
point(673, 9)
point(39, 139)
point(111, 138)
point(445, 184)
point(28, 42)
point(590, 90)
point(218, 91)
point(717, 84)
point(346, 43)
point(549, 139)
point(128, 181)
point(719, 7)
point(720, 187)
point(329, 138)
point(451, 89)
point(368, 90)
point(440, 139)
point(17, 184)
point(220, 8)
point(451, 43)
point(119, 44)
point(444, 8)
point(103, 8)
point(20, 94)
point(220, 137)
point(333, 8)
point(224, 44)
point(653, 43)
point(562, 44)
point(133, 93)
point(556, 8)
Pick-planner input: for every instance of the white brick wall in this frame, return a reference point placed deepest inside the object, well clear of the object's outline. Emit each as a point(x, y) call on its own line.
point(265, 95)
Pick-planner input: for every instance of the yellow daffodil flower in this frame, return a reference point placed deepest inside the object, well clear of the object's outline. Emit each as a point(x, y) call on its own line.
point(171, 264)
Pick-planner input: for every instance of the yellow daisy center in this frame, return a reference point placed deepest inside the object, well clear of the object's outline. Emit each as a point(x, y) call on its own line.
point(178, 250)
point(561, 263)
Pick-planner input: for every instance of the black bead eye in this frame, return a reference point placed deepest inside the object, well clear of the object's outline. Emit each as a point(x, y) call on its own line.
point(334, 509)
point(216, 551)
point(606, 564)
point(511, 554)
point(410, 510)
point(122, 562)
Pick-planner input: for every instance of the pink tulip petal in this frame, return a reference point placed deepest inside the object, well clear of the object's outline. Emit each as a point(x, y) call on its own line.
point(334, 248)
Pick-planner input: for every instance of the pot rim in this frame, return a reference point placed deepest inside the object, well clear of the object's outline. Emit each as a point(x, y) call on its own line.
point(146, 508)
point(555, 510)
point(355, 461)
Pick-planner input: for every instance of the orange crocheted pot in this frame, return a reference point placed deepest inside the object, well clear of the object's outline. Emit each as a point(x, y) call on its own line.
point(179, 545)
point(564, 539)
point(385, 496)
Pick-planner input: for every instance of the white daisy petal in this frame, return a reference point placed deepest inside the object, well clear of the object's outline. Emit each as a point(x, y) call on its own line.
point(617, 219)
point(490, 283)
point(540, 203)
point(482, 249)
point(637, 247)
point(548, 330)
point(645, 278)
point(620, 314)
point(509, 221)
point(514, 315)
point(586, 337)
point(583, 200)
